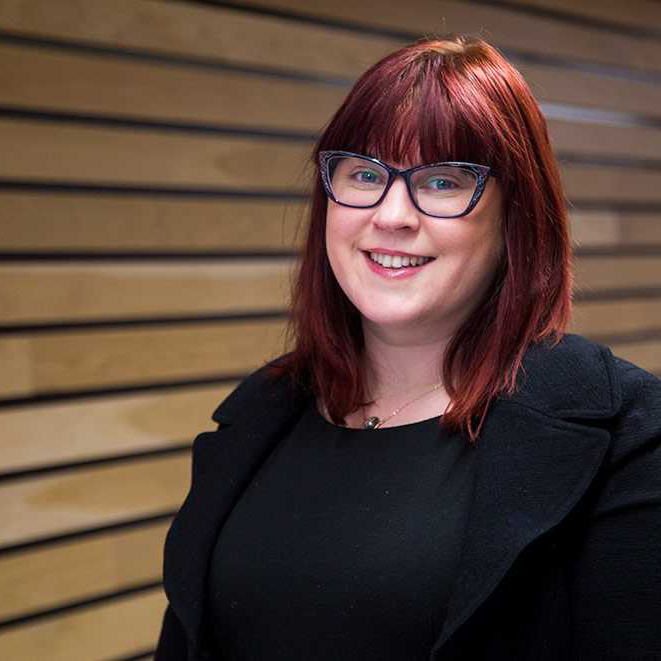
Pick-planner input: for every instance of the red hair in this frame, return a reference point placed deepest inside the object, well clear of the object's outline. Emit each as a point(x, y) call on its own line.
point(454, 98)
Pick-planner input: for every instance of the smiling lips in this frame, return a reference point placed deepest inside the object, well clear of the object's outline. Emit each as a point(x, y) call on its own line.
point(397, 261)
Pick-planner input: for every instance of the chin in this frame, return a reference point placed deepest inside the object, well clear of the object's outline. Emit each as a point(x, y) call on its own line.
point(390, 318)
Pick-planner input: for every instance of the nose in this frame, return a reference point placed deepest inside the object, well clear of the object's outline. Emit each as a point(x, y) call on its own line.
point(396, 210)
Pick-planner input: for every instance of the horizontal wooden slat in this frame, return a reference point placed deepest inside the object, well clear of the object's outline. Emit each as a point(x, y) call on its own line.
point(31, 77)
point(78, 499)
point(598, 183)
point(87, 222)
point(636, 13)
point(103, 358)
point(62, 152)
point(644, 354)
point(117, 629)
point(613, 317)
point(72, 431)
point(609, 228)
point(504, 27)
point(595, 273)
point(42, 578)
point(605, 140)
point(181, 28)
point(590, 90)
point(33, 150)
point(68, 292)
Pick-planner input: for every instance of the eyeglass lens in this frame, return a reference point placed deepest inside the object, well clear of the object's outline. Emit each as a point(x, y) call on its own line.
point(438, 190)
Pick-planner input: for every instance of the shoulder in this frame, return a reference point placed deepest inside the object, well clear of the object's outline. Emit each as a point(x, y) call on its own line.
point(265, 388)
point(637, 425)
point(579, 378)
point(582, 382)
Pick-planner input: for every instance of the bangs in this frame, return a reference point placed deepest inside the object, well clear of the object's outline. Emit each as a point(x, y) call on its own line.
point(425, 117)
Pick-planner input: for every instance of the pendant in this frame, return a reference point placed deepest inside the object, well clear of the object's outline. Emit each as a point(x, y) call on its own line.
point(372, 422)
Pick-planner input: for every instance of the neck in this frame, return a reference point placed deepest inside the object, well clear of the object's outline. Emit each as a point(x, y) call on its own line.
point(401, 362)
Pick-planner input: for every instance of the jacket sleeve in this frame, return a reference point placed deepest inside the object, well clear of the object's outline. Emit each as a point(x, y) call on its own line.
point(172, 642)
point(616, 578)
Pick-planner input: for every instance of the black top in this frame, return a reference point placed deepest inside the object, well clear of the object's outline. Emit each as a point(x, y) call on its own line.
point(343, 546)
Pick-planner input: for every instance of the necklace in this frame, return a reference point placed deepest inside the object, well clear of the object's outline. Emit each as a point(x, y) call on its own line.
point(374, 422)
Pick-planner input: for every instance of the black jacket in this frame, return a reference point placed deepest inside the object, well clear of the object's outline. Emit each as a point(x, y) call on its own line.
point(562, 554)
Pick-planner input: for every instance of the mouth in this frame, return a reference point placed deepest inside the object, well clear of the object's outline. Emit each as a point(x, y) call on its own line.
point(398, 260)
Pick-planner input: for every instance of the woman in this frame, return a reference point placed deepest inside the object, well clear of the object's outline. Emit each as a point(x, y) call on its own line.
point(436, 471)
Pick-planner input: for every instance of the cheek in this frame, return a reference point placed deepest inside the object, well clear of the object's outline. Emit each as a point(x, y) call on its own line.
point(337, 251)
point(342, 230)
point(333, 229)
point(471, 253)
point(488, 258)
point(334, 241)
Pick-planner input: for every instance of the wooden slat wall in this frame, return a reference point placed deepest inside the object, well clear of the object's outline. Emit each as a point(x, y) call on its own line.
point(146, 248)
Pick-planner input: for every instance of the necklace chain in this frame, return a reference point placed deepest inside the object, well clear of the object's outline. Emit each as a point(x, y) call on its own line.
point(374, 422)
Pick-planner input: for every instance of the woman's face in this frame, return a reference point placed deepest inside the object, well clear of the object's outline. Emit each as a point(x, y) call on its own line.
point(435, 297)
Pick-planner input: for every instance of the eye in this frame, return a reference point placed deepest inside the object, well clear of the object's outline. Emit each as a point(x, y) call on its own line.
point(440, 183)
point(367, 176)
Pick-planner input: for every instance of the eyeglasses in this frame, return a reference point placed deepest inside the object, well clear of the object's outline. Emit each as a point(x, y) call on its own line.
point(441, 190)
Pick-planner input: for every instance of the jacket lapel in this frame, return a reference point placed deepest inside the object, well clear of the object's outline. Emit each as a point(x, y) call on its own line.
point(531, 471)
point(539, 451)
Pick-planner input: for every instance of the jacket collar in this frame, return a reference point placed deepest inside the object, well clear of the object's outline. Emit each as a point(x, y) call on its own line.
point(539, 450)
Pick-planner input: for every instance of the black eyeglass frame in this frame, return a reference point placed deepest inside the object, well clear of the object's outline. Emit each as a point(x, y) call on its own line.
point(483, 172)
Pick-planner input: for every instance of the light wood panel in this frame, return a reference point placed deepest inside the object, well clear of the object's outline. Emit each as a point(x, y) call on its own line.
point(88, 222)
point(595, 273)
point(641, 229)
point(30, 77)
point(61, 152)
point(635, 13)
point(605, 140)
point(101, 358)
point(590, 90)
point(78, 499)
point(609, 228)
point(53, 152)
point(506, 28)
point(42, 578)
point(598, 183)
point(119, 628)
point(612, 317)
point(646, 354)
point(80, 430)
point(181, 28)
point(107, 290)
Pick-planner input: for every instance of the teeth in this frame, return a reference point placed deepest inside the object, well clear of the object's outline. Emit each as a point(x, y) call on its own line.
point(397, 261)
